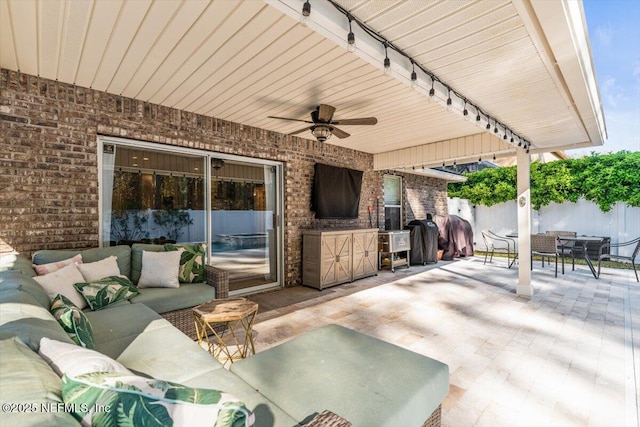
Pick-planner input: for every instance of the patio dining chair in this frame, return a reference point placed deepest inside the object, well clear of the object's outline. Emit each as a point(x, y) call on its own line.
point(631, 258)
point(496, 243)
point(545, 245)
point(565, 247)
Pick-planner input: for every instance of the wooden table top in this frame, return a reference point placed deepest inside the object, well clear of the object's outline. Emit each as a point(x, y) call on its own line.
point(225, 310)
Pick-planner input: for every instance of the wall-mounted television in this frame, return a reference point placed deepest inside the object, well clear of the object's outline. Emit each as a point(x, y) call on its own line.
point(336, 192)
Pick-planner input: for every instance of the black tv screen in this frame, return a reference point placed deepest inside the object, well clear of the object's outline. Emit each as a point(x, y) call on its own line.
point(336, 192)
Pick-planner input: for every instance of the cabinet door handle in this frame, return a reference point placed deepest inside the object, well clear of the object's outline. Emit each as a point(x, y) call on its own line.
point(337, 258)
point(366, 253)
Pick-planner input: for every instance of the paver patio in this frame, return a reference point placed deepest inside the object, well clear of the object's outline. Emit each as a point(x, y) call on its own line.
point(570, 355)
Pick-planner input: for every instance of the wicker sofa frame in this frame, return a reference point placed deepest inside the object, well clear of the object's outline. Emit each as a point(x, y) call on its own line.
point(329, 419)
point(183, 318)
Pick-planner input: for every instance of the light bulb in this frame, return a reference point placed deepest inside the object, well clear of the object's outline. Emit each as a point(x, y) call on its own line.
point(466, 115)
point(449, 104)
point(306, 11)
point(351, 42)
point(414, 80)
point(387, 66)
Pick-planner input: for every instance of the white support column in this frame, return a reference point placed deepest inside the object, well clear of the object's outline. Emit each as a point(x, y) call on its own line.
point(523, 202)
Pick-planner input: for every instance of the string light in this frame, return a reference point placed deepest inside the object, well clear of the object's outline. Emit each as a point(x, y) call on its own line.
point(351, 38)
point(306, 11)
point(414, 76)
point(415, 68)
point(387, 62)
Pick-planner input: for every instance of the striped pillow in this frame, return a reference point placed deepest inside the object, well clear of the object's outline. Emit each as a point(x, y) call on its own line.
point(43, 269)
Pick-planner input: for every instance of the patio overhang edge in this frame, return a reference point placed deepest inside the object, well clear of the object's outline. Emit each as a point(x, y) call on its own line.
point(559, 30)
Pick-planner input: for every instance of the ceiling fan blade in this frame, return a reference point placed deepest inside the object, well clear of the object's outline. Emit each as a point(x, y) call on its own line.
point(340, 133)
point(300, 130)
point(287, 118)
point(361, 121)
point(325, 112)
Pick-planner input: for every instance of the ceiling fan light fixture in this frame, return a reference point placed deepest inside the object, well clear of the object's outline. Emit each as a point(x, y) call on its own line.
point(322, 132)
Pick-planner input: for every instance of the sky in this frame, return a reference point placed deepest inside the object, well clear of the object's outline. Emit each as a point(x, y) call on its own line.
point(614, 32)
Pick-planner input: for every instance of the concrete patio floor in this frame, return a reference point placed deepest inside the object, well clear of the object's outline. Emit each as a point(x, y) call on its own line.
point(570, 355)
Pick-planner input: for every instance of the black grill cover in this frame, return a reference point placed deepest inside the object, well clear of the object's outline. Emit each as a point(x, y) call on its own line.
point(424, 241)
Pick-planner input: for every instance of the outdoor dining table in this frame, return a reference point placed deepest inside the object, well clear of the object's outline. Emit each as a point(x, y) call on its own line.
point(581, 242)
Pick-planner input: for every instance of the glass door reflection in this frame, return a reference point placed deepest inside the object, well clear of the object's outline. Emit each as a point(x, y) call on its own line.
point(244, 223)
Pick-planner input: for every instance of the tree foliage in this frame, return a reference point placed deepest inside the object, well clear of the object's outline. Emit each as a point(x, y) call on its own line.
point(604, 179)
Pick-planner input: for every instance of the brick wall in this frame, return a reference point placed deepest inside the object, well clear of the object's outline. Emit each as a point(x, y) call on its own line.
point(49, 172)
point(422, 196)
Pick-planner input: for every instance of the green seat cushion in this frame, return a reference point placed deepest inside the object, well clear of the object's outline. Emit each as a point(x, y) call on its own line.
point(20, 263)
point(136, 258)
point(122, 252)
point(363, 379)
point(117, 327)
point(267, 413)
point(161, 351)
point(29, 321)
point(163, 300)
point(16, 280)
point(27, 379)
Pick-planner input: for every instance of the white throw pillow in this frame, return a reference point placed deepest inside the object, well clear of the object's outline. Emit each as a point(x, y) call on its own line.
point(43, 269)
point(75, 360)
point(100, 269)
point(61, 282)
point(160, 269)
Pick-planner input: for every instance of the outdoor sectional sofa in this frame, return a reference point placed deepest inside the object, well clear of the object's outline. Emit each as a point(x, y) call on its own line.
point(367, 381)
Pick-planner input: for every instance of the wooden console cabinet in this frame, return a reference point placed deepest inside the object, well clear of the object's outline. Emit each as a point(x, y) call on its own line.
point(332, 257)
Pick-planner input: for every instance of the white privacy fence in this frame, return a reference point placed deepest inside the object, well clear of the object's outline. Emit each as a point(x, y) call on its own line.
point(621, 223)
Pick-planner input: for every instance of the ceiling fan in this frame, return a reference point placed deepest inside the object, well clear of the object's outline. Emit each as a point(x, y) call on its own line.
point(323, 125)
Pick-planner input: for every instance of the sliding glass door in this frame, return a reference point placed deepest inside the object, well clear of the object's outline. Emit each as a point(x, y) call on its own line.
point(164, 195)
point(152, 197)
point(244, 225)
